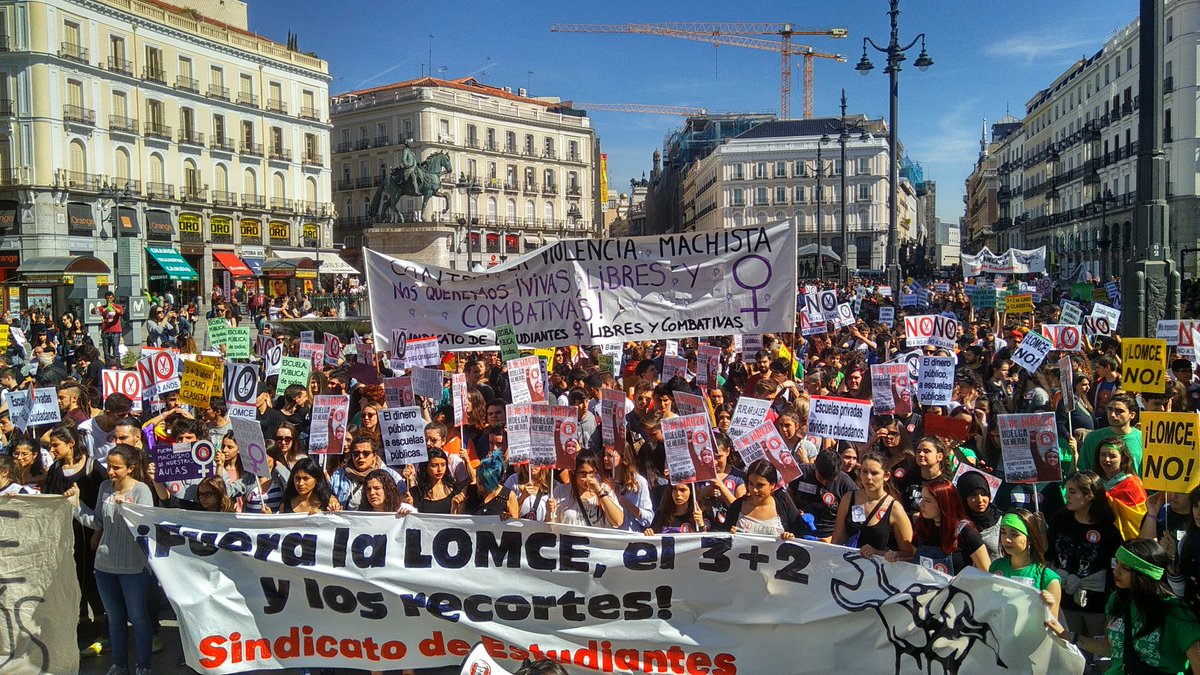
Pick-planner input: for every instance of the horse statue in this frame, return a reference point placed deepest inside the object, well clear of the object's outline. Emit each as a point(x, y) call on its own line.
point(423, 179)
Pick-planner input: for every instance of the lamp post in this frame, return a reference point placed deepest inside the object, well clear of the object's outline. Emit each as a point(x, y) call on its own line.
point(472, 188)
point(843, 131)
point(117, 195)
point(821, 203)
point(895, 56)
point(1103, 198)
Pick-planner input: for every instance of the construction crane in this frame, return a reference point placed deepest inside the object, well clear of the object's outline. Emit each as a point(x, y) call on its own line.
point(733, 34)
point(638, 108)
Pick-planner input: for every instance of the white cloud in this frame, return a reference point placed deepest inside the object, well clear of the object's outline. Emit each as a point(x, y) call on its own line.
point(1031, 47)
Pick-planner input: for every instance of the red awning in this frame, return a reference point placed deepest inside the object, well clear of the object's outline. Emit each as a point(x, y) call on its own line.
point(233, 264)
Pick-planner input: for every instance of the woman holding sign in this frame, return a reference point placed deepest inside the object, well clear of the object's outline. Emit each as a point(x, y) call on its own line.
point(764, 510)
point(870, 518)
point(586, 500)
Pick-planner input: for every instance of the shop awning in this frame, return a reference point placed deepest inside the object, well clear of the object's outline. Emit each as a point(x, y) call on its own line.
point(159, 223)
point(171, 262)
point(10, 213)
point(255, 265)
point(57, 269)
point(232, 264)
point(331, 263)
point(301, 267)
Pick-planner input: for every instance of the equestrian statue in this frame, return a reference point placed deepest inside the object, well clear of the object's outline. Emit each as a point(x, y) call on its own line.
point(411, 179)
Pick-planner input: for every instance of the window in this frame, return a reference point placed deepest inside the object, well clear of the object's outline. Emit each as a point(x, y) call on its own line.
point(800, 168)
point(760, 170)
point(548, 147)
point(216, 80)
point(191, 178)
point(309, 106)
point(1129, 56)
point(121, 165)
point(154, 111)
point(249, 183)
point(548, 178)
point(116, 53)
point(187, 123)
point(573, 150)
point(799, 195)
point(864, 193)
point(572, 181)
point(277, 140)
point(310, 147)
point(781, 169)
point(218, 129)
point(864, 166)
point(275, 92)
point(510, 141)
point(491, 139)
point(738, 197)
point(739, 171)
point(781, 194)
point(406, 126)
point(120, 104)
point(472, 136)
point(246, 89)
point(760, 194)
point(1170, 28)
point(862, 252)
point(157, 171)
point(75, 93)
point(247, 134)
point(185, 71)
point(154, 65)
point(71, 36)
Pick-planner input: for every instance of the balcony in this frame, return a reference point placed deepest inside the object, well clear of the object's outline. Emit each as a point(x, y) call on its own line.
point(253, 149)
point(549, 154)
point(309, 113)
point(13, 177)
point(79, 115)
point(160, 191)
point(222, 144)
point(276, 105)
point(190, 137)
point(362, 144)
point(576, 191)
point(132, 188)
point(528, 151)
point(194, 194)
point(154, 74)
point(531, 188)
point(363, 182)
point(82, 181)
point(246, 98)
point(345, 184)
point(574, 157)
point(223, 198)
point(281, 204)
point(382, 141)
point(253, 201)
point(120, 65)
point(280, 154)
point(1127, 107)
point(312, 209)
point(510, 186)
point(313, 159)
point(122, 124)
point(217, 91)
point(189, 84)
point(73, 52)
point(491, 146)
point(5, 45)
point(510, 149)
point(550, 189)
point(472, 143)
point(157, 130)
point(344, 146)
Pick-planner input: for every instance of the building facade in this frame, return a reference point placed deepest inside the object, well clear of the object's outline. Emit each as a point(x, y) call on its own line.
point(524, 171)
point(769, 174)
point(200, 146)
point(1072, 182)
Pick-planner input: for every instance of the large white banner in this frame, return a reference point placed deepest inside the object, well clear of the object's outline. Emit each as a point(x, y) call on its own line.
point(1012, 261)
point(592, 291)
point(387, 592)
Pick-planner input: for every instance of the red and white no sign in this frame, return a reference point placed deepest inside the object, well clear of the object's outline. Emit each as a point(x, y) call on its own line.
point(127, 382)
point(165, 367)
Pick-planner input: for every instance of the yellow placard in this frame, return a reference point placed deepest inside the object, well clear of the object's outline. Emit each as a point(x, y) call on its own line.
point(196, 384)
point(1144, 365)
point(1099, 294)
point(1019, 304)
point(4, 336)
point(1169, 452)
point(218, 379)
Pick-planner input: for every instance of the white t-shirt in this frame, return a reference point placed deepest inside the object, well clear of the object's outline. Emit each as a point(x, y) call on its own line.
point(97, 440)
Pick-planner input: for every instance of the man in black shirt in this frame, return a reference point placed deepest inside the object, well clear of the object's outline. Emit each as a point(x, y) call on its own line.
point(820, 489)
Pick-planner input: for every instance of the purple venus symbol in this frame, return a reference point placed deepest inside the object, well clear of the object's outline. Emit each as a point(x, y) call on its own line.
point(752, 272)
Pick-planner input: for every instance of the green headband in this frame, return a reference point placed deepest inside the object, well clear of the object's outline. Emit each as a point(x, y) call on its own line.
point(1128, 559)
point(1014, 521)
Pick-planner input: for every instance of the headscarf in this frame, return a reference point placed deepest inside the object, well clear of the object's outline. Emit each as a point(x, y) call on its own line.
point(972, 483)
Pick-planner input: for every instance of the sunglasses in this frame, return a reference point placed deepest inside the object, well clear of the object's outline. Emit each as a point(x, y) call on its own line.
point(281, 439)
point(370, 414)
point(361, 453)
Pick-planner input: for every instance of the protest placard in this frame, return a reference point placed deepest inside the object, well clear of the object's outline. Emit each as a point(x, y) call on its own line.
point(274, 360)
point(333, 350)
point(1170, 452)
point(525, 380)
point(670, 348)
point(612, 420)
point(217, 328)
point(1063, 336)
point(764, 442)
point(749, 413)
point(423, 353)
point(519, 418)
point(292, 370)
point(1031, 352)
point(935, 383)
point(567, 440)
point(43, 407)
point(125, 382)
point(1144, 365)
point(309, 336)
point(262, 344)
point(542, 435)
point(1106, 319)
point(891, 387)
point(887, 316)
point(709, 363)
point(399, 391)
point(689, 404)
point(993, 482)
point(458, 396)
point(844, 419)
point(687, 441)
point(506, 339)
point(1168, 329)
point(428, 382)
point(18, 403)
point(178, 462)
point(247, 411)
point(327, 431)
point(1072, 313)
point(1029, 447)
point(196, 383)
point(931, 329)
point(403, 431)
point(674, 366)
point(944, 426)
point(252, 448)
point(812, 324)
point(237, 344)
point(1066, 383)
point(908, 300)
point(314, 352)
point(752, 343)
point(240, 383)
point(1021, 303)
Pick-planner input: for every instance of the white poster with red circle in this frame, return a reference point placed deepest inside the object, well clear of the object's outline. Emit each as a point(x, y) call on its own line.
point(689, 448)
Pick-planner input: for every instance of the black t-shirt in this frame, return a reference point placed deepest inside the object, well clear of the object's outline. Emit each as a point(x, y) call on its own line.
point(930, 553)
point(820, 500)
point(1082, 550)
point(908, 481)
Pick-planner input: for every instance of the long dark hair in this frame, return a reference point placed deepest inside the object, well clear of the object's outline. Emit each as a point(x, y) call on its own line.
point(67, 433)
point(954, 517)
point(1148, 595)
point(425, 484)
point(1090, 483)
point(586, 457)
point(321, 491)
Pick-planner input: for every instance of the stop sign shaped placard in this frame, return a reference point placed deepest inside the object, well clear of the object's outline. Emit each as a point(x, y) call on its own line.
point(127, 382)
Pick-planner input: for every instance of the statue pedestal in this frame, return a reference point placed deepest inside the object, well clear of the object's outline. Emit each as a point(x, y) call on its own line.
point(425, 243)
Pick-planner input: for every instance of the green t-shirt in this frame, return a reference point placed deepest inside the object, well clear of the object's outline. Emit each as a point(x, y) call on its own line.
point(966, 452)
point(1087, 453)
point(1037, 577)
point(1165, 648)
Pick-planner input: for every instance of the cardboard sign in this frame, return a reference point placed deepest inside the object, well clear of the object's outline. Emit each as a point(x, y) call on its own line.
point(520, 442)
point(687, 440)
point(458, 395)
point(403, 432)
point(1019, 304)
point(931, 329)
point(670, 347)
point(240, 383)
point(18, 403)
point(829, 303)
point(689, 404)
point(1063, 336)
point(674, 366)
point(262, 344)
point(327, 433)
point(237, 344)
point(333, 350)
point(274, 360)
point(891, 387)
point(43, 408)
point(427, 382)
point(308, 336)
point(1144, 365)
point(749, 413)
point(1170, 451)
point(126, 382)
point(1066, 382)
point(246, 411)
point(542, 430)
point(314, 352)
point(1106, 318)
point(525, 380)
point(764, 442)
point(177, 462)
point(252, 448)
point(1032, 351)
point(506, 340)
point(709, 364)
point(1029, 446)
point(935, 383)
point(217, 328)
point(887, 316)
point(196, 384)
point(844, 419)
point(811, 324)
point(845, 316)
point(423, 353)
point(943, 426)
point(612, 421)
point(292, 370)
point(1072, 313)
point(399, 392)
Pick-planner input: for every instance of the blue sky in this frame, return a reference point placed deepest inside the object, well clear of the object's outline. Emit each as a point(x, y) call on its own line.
point(988, 58)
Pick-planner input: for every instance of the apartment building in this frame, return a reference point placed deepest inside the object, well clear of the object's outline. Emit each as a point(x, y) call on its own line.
point(525, 170)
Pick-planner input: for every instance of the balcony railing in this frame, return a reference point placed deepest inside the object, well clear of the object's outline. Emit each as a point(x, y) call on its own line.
point(575, 191)
point(187, 84)
point(224, 198)
point(11, 177)
point(80, 180)
point(281, 154)
point(344, 146)
point(255, 149)
point(253, 201)
point(191, 137)
point(510, 186)
point(281, 204)
point(550, 189)
point(362, 144)
point(79, 115)
point(73, 52)
point(491, 146)
point(549, 154)
point(122, 124)
point(510, 148)
point(382, 141)
point(120, 65)
point(222, 144)
point(276, 105)
point(153, 74)
point(472, 143)
point(157, 130)
point(345, 184)
point(309, 113)
point(193, 193)
point(131, 187)
point(573, 157)
point(5, 45)
point(217, 91)
point(314, 209)
point(246, 98)
point(6, 107)
point(160, 191)
point(313, 159)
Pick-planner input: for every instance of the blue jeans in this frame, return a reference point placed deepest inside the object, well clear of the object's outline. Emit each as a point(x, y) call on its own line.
point(124, 597)
point(112, 347)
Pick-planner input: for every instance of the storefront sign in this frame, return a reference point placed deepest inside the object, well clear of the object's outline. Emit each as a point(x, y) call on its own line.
point(220, 227)
point(280, 231)
point(189, 223)
point(251, 229)
point(158, 224)
point(10, 260)
point(80, 219)
point(311, 232)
